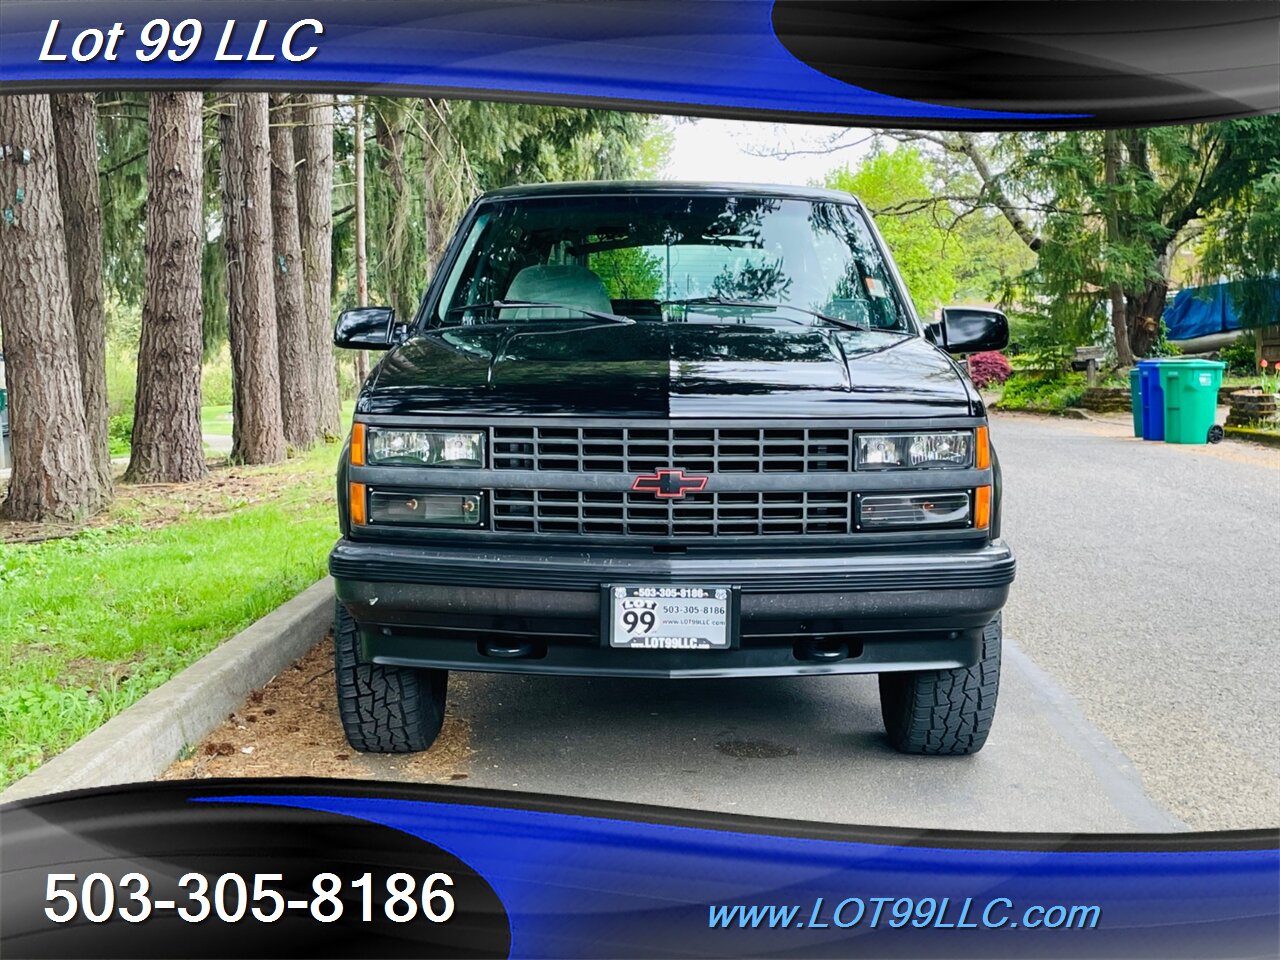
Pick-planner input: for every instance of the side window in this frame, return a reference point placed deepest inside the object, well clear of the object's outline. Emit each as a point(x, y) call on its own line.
point(463, 274)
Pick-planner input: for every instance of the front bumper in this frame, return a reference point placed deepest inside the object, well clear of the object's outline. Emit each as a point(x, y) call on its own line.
point(526, 611)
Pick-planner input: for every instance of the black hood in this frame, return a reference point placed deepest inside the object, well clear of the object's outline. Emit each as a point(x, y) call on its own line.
point(667, 370)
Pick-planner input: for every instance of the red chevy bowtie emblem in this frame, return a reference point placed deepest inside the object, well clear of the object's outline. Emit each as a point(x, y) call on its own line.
point(667, 484)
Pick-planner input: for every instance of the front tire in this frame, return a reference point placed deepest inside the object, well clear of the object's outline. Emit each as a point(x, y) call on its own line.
point(944, 712)
point(384, 709)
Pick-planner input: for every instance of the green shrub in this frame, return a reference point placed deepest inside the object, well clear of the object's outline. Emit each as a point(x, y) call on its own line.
point(120, 433)
point(215, 380)
point(1241, 355)
point(122, 375)
point(1162, 346)
point(1042, 392)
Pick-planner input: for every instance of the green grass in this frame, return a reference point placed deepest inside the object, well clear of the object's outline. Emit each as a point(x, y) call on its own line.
point(216, 419)
point(91, 623)
point(1240, 382)
point(1267, 433)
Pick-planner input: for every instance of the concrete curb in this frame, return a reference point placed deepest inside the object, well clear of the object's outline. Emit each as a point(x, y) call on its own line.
point(140, 742)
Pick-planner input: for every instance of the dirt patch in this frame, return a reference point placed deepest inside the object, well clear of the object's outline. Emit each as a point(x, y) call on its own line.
point(93, 674)
point(290, 728)
point(225, 489)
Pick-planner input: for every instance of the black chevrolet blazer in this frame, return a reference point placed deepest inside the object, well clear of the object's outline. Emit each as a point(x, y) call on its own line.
point(669, 430)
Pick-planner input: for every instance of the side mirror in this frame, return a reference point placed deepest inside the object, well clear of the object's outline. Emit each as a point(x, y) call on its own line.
point(969, 330)
point(365, 328)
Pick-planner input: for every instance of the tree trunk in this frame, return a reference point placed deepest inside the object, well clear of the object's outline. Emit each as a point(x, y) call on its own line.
point(362, 247)
point(1142, 317)
point(54, 473)
point(434, 206)
point(1119, 319)
point(1120, 325)
point(297, 369)
point(257, 427)
point(314, 148)
point(167, 443)
point(75, 127)
point(968, 145)
point(390, 133)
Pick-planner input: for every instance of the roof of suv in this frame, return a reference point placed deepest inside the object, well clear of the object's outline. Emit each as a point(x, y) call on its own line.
point(587, 187)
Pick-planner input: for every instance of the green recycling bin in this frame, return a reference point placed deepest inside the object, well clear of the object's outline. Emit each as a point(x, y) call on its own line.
point(1191, 400)
point(1135, 399)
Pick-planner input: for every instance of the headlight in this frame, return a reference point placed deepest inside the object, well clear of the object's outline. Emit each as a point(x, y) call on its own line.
point(906, 451)
point(431, 448)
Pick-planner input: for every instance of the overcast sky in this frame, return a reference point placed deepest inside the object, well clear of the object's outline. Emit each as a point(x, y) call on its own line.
point(730, 150)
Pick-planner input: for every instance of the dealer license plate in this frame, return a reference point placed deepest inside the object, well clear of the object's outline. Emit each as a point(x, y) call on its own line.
point(669, 618)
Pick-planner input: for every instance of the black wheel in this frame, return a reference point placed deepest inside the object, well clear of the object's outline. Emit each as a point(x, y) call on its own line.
point(384, 709)
point(944, 712)
point(1216, 433)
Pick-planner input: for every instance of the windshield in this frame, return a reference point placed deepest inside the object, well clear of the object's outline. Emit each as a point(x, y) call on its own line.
point(695, 258)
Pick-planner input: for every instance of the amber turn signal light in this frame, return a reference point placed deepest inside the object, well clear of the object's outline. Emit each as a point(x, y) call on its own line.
point(982, 508)
point(357, 444)
point(356, 504)
point(982, 451)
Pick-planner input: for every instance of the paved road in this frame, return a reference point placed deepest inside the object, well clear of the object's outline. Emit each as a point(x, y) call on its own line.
point(1148, 587)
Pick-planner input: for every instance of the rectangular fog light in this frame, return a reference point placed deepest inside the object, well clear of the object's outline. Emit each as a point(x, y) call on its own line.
point(427, 509)
point(913, 510)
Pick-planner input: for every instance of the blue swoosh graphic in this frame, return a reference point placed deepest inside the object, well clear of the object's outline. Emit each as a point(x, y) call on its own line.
point(683, 55)
point(581, 885)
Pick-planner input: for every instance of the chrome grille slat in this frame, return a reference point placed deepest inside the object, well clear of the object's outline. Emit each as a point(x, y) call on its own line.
point(790, 513)
point(786, 450)
point(569, 479)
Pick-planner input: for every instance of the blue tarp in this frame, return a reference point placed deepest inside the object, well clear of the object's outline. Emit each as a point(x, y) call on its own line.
point(1201, 311)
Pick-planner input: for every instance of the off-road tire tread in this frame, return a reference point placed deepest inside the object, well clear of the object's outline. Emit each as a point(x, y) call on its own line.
point(944, 712)
point(384, 709)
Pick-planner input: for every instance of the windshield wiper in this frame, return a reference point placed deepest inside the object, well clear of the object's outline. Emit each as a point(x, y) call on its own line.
point(762, 305)
point(540, 304)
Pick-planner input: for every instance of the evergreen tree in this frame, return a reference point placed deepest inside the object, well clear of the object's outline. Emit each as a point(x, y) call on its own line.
point(297, 374)
point(313, 148)
point(54, 474)
point(167, 445)
point(1104, 210)
point(75, 126)
point(257, 426)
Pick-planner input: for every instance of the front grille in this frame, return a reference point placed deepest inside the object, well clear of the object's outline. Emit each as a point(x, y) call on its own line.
point(604, 449)
point(599, 513)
